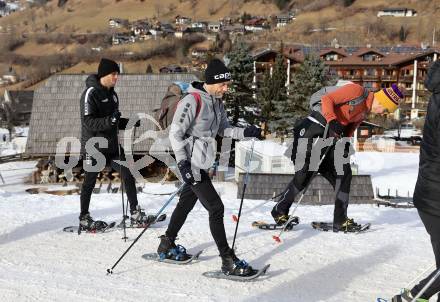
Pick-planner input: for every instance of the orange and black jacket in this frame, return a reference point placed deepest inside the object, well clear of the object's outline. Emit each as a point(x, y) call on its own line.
point(335, 107)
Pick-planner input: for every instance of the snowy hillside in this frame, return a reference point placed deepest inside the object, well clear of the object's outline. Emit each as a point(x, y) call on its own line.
point(38, 262)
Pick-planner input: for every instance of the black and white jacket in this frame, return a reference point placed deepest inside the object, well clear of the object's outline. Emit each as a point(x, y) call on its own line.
point(97, 105)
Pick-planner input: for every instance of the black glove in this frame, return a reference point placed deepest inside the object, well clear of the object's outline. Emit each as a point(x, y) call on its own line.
point(123, 123)
point(252, 131)
point(114, 118)
point(335, 129)
point(186, 172)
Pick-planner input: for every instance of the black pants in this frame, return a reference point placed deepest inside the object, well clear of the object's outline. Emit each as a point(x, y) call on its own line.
point(432, 225)
point(206, 193)
point(341, 183)
point(90, 181)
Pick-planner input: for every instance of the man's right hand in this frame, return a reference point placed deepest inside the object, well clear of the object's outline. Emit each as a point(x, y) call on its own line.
point(186, 172)
point(114, 118)
point(335, 129)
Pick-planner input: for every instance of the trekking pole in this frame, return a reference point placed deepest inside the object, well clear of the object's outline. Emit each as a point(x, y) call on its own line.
point(110, 270)
point(244, 190)
point(132, 146)
point(234, 217)
point(426, 286)
point(420, 275)
point(303, 193)
point(122, 187)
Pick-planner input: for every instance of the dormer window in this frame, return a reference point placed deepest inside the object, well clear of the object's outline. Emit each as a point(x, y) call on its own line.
point(331, 57)
point(370, 57)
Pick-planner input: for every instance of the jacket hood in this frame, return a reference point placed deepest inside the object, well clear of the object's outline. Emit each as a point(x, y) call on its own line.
point(93, 81)
point(197, 87)
point(432, 81)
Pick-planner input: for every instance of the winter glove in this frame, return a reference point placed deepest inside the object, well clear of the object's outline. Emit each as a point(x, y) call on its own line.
point(335, 129)
point(123, 123)
point(114, 118)
point(252, 131)
point(186, 172)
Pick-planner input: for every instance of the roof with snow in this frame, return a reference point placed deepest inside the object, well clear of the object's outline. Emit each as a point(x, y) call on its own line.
point(56, 113)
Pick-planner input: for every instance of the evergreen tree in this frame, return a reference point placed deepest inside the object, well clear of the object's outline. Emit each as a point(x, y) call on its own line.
point(238, 100)
point(311, 76)
point(265, 94)
point(273, 96)
point(403, 34)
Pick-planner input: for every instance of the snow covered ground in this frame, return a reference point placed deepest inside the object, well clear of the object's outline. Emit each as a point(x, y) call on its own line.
point(38, 262)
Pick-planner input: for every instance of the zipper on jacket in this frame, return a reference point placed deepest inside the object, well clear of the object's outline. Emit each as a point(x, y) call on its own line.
point(215, 114)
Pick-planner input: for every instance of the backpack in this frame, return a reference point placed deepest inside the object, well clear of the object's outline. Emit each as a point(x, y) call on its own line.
point(164, 115)
point(315, 99)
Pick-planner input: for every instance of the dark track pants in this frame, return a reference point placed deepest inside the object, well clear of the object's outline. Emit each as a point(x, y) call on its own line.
point(90, 181)
point(341, 183)
point(208, 196)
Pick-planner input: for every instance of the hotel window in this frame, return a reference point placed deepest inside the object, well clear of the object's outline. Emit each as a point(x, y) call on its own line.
point(368, 85)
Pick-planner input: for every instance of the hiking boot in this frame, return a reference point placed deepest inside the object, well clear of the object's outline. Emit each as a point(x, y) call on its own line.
point(279, 217)
point(86, 222)
point(138, 217)
point(169, 250)
point(231, 265)
point(346, 226)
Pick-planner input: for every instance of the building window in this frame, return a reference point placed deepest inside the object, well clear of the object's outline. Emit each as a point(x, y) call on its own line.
point(368, 85)
point(331, 57)
point(370, 72)
point(370, 57)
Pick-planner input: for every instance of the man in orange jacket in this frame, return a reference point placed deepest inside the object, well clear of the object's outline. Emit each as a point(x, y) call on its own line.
point(341, 110)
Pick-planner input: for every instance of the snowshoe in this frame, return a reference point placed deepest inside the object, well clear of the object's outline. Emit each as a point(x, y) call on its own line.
point(102, 227)
point(221, 275)
point(156, 257)
point(274, 226)
point(346, 228)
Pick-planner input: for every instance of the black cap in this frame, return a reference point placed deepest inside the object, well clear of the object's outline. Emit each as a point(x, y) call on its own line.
point(217, 72)
point(106, 67)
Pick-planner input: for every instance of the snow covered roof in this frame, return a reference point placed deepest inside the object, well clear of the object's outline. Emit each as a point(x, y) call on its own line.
point(55, 111)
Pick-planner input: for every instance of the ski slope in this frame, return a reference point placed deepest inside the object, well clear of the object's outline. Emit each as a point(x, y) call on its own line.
point(39, 262)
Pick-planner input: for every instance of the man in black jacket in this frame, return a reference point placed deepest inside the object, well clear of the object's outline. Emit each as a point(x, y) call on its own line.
point(427, 191)
point(100, 121)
